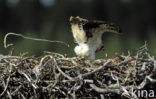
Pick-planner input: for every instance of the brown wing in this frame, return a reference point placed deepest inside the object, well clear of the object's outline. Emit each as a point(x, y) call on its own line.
point(90, 25)
point(110, 28)
point(102, 25)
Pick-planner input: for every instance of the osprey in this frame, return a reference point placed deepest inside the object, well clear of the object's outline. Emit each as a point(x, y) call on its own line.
point(88, 35)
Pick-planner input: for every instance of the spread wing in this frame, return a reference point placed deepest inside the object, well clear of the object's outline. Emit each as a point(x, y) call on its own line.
point(95, 29)
point(91, 26)
point(100, 26)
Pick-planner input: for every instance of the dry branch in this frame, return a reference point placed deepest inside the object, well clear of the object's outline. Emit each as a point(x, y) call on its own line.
point(55, 76)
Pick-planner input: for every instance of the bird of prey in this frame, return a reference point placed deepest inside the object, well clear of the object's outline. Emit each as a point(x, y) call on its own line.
point(88, 35)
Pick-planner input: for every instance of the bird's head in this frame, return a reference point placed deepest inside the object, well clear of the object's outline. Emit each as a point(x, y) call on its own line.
point(77, 20)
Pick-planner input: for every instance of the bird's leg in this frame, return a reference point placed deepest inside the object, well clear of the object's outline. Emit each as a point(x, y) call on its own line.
point(92, 55)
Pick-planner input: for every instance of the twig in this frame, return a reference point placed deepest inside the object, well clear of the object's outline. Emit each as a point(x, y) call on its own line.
point(8, 79)
point(65, 75)
point(144, 82)
point(59, 69)
point(30, 38)
point(25, 75)
point(90, 73)
point(9, 95)
point(103, 90)
point(52, 85)
point(6, 86)
point(17, 89)
point(154, 68)
point(123, 62)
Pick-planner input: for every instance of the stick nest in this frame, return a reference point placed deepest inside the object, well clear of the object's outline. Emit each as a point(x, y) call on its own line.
point(56, 76)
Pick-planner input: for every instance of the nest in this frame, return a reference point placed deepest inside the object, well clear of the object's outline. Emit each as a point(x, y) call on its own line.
point(56, 76)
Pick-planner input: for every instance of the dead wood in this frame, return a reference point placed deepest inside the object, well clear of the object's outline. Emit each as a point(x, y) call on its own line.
point(55, 76)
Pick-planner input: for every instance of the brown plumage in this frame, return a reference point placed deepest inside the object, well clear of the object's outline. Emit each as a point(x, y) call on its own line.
point(88, 35)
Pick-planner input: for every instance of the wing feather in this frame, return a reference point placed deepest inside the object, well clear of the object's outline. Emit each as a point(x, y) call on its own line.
point(100, 26)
